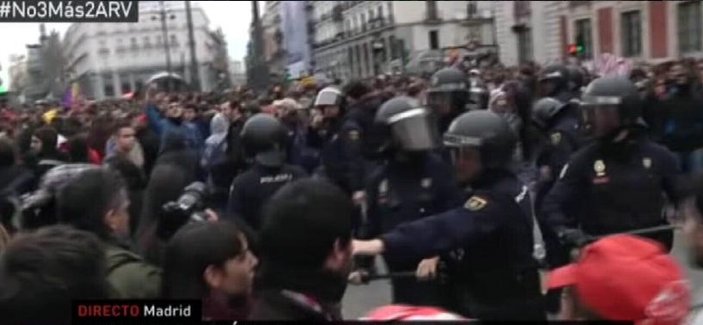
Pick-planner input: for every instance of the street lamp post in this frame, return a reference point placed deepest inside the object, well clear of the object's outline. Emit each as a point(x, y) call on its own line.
point(195, 77)
point(162, 14)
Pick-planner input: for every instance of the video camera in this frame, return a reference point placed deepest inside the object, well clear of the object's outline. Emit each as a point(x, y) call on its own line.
point(190, 207)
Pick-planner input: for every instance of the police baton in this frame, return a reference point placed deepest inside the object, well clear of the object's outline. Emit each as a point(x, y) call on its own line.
point(367, 277)
point(390, 275)
point(576, 250)
point(641, 231)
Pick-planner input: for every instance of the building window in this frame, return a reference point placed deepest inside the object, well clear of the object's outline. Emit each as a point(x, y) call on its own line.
point(126, 88)
point(109, 90)
point(472, 9)
point(147, 42)
point(631, 31)
point(689, 27)
point(434, 40)
point(159, 41)
point(524, 42)
point(174, 41)
point(133, 42)
point(363, 22)
point(380, 11)
point(584, 37)
point(431, 9)
point(367, 62)
point(393, 44)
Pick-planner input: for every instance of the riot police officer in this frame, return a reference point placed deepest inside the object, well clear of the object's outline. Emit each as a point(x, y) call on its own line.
point(576, 80)
point(489, 235)
point(448, 95)
point(263, 138)
point(554, 82)
point(560, 136)
point(479, 94)
point(412, 183)
point(620, 181)
point(339, 141)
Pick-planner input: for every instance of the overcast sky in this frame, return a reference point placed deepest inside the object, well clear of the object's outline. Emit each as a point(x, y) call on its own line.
point(233, 16)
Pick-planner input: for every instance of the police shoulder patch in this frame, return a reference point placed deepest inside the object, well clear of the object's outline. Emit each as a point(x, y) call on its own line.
point(475, 203)
point(354, 135)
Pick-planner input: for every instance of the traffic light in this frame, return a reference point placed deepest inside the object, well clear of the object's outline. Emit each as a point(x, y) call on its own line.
point(575, 49)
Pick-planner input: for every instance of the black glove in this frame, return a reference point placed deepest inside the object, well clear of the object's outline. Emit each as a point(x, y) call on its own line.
point(573, 237)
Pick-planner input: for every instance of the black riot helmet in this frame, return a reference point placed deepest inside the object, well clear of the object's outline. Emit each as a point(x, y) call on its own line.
point(544, 111)
point(263, 139)
point(576, 78)
point(554, 79)
point(448, 92)
point(485, 131)
point(610, 104)
point(410, 126)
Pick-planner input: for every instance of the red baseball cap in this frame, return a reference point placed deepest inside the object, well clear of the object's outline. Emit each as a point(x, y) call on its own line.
point(624, 277)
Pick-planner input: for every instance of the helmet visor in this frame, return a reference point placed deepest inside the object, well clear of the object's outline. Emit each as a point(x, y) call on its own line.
point(328, 98)
point(458, 141)
point(414, 130)
point(602, 119)
point(441, 102)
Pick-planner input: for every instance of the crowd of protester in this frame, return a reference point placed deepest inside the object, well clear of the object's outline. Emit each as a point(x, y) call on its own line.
point(84, 189)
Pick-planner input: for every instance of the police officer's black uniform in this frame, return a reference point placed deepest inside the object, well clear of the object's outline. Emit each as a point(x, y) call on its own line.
point(339, 141)
point(263, 138)
point(620, 181)
point(412, 183)
point(561, 136)
point(489, 235)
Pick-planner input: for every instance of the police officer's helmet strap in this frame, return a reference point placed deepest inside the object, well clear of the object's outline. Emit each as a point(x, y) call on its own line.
point(454, 86)
point(600, 100)
point(406, 115)
point(552, 75)
point(453, 140)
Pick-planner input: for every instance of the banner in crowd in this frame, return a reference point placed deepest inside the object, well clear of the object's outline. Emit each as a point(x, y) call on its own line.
point(609, 65)
point(71, 97)
point(295, 37)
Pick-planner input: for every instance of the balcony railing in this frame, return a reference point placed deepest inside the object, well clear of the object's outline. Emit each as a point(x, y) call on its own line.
point(338, 13)
point(377, 22)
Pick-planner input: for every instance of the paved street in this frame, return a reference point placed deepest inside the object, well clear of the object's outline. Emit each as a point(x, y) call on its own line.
point(360, 299)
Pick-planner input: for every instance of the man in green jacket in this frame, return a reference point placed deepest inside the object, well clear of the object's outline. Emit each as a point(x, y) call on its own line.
point(97, 201)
